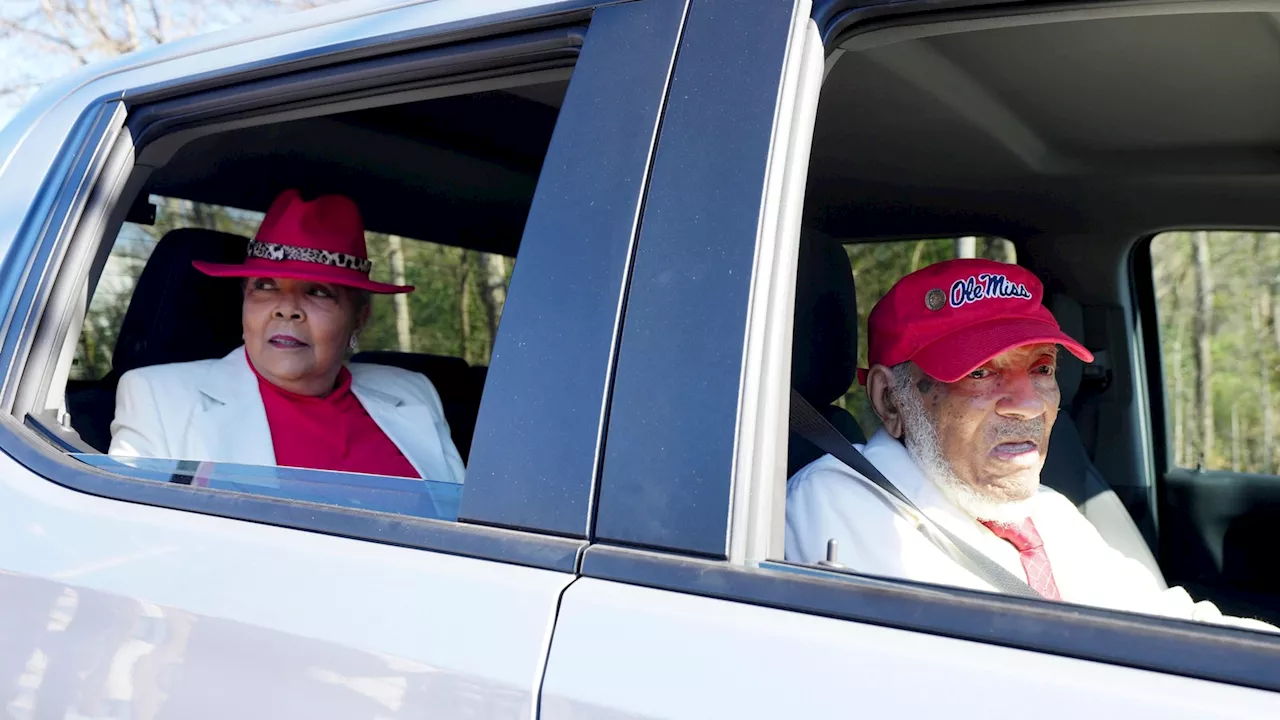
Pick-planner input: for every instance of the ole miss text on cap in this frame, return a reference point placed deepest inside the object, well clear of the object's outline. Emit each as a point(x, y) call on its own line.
point(953, 317)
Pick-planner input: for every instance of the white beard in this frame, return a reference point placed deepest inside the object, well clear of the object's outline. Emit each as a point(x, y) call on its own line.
point(923, 446)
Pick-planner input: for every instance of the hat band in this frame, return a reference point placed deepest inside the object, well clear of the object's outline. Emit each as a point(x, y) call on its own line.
point(274, 251)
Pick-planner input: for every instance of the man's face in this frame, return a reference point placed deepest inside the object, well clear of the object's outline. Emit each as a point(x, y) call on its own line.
point(993, 425)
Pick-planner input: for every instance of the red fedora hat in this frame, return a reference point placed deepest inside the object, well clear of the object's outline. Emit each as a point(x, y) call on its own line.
point(320, 240)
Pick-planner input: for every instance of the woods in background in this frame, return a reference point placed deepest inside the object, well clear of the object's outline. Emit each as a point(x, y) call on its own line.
point(1216, 294)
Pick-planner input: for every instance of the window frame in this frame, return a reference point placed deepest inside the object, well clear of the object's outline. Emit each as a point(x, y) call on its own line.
point(79, 198)
point(693, 478)
point(1147, 314)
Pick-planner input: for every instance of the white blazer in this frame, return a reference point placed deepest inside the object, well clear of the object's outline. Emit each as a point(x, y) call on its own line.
point(212, 411)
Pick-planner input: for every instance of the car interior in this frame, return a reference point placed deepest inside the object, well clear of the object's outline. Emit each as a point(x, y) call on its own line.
point(1078, 135)
point(456, 170)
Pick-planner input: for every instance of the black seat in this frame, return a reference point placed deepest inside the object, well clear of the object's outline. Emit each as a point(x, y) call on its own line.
point(176, 314)
point(824, 350)
point(459, 385)
point(1067, 467)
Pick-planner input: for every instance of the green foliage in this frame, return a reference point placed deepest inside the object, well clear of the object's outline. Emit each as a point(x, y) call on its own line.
point(448, 309)
point(1243, 277)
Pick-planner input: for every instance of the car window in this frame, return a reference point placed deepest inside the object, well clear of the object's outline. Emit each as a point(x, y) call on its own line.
point(869, 177)
point(155, 329)
point(1217, 295)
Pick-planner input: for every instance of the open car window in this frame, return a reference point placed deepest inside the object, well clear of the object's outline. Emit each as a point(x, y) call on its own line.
point(443, 186)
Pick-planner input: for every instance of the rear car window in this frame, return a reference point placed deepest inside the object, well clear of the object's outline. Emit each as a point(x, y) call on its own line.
point(1217, 296)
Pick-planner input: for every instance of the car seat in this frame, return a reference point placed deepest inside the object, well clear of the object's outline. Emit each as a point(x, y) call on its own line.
point(176, 314)
point(1067, 467)
point(824, 346)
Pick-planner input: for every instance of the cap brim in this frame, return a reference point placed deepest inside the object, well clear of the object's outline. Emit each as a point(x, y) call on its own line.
point(292, 271)
point(959, 353)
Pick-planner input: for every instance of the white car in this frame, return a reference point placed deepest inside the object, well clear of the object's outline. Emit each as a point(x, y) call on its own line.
point(616, 548)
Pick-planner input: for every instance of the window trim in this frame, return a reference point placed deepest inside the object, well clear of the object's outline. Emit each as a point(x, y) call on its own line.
point(46, 231)
point(591, 202)
point(1174, 647)
point(51, 222)
point(758, 506)
point(679, 377)
point(1150, 368)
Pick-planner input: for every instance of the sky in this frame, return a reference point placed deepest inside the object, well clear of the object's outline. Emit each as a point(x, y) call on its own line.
point(28, 60)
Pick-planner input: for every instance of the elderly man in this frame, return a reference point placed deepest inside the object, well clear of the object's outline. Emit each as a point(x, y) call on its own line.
point(963, 356)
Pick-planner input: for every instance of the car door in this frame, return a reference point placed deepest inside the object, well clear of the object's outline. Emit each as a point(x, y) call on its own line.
point(131, 597)
point(684, 610)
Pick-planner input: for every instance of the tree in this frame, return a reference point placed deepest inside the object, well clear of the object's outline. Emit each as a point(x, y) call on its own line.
point(404, 324)
point(1218, 303)
point(497, 274)
point(1204, 349)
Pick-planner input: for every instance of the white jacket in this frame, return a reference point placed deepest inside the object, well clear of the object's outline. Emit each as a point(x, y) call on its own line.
point(212, 411)
point(826, 499)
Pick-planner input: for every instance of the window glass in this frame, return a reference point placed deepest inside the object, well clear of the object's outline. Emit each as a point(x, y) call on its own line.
point(423, 498)
point(442, 186)
point(1216, 302)
point(877, 266)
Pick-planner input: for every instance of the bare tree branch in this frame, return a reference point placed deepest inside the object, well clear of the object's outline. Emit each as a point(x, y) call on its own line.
point(59, 34)
point(159, 31)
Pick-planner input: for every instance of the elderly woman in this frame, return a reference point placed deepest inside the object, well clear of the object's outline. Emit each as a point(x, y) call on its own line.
point(288, 397)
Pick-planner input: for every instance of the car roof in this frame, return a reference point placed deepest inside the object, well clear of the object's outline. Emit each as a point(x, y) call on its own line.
point(1026, 126)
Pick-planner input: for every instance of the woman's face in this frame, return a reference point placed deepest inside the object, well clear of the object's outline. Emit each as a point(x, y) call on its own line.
point(296, 331)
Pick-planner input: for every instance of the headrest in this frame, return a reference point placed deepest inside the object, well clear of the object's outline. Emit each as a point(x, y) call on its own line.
point(178, 314)
point(1070, 317)
point(824, 346)
point(445, 372)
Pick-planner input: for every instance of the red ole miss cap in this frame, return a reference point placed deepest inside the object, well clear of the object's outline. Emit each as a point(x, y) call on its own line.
point(953, 317)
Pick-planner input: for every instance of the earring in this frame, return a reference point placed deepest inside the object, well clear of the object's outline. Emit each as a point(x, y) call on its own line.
point(354, 344)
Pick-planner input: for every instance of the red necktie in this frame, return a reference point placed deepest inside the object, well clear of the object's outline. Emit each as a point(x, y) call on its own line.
point(1035, 562)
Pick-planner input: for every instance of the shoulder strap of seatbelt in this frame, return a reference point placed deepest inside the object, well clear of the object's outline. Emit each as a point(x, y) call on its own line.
point(808, 423)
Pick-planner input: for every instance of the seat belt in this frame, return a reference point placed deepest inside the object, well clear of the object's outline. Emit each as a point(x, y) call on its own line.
point(809, 424)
